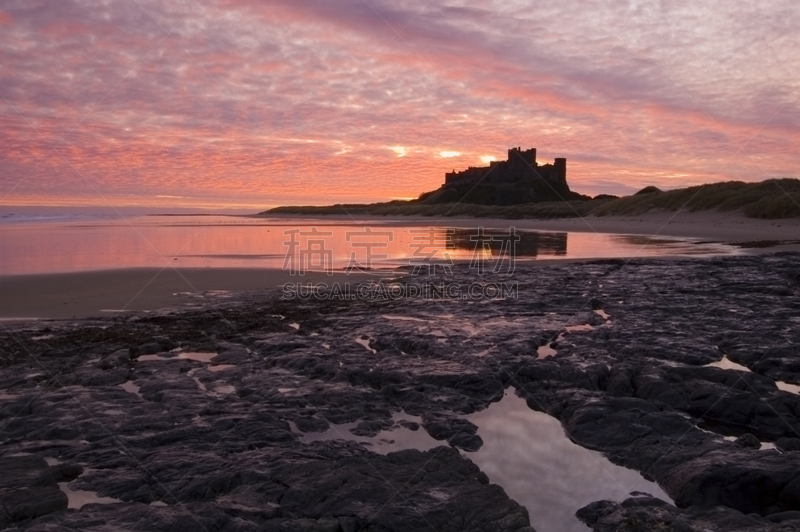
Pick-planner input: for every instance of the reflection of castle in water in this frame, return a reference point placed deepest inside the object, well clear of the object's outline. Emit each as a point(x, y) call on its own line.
point(530, 243)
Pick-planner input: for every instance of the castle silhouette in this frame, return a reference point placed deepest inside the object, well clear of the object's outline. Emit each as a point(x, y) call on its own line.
point(519, 179)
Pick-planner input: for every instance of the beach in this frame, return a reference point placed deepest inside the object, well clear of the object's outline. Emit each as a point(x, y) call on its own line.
point(108, 291)
point(496, 381)
point(710, 225)
point(255, 411)
point(570, 390)
point(111, 292)
point(308, 266)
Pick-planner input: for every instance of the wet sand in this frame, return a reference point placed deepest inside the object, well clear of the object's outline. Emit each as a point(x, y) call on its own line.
point(261, 398)
point(101, 293)
point(723, 227)
point(711, 225)
point(95, 293)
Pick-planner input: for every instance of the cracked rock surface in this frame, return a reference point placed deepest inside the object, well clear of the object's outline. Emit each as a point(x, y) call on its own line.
point(194, 419)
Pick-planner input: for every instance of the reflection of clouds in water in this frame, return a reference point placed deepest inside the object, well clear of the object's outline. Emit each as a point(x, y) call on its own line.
point(650, 245)
point(532, 244)
point(726, 363)
point(645, 240)
point(249, 242)
point(79, 498)
point(397, 438)
point(787, 387)
point(528, 454)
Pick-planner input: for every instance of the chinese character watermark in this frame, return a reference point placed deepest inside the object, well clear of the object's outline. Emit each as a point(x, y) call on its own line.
point(431, 249)
point(367, 239)
point(315, 255)
point(427, 244)
point(482, 253)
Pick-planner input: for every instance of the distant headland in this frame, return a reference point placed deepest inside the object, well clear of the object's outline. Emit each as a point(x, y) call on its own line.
point(520, 187)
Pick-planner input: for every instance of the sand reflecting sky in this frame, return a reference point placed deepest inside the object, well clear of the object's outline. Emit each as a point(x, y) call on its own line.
point(205, 241)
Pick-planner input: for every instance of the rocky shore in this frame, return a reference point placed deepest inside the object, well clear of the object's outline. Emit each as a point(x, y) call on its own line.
point(195, 419)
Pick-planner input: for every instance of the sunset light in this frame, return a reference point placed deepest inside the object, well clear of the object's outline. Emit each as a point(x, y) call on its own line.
point(231, 102)
point(399, 265)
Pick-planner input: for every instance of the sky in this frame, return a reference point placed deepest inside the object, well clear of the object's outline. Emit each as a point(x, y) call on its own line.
point(245, 103)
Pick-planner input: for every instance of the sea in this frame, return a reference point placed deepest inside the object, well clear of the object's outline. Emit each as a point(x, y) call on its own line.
point(52, 240)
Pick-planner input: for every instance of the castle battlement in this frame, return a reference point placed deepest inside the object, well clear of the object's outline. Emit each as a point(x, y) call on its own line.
point(521, 165)
point(519, 179)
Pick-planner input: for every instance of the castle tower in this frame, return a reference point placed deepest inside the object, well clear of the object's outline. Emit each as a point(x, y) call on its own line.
point(560, 165)
point(530, 156)
point(516, 156)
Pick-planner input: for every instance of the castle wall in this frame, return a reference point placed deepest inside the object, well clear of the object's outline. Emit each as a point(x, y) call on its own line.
point(521, 165)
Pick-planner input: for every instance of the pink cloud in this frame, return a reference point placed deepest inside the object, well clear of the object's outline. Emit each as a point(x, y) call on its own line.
point(300, 101)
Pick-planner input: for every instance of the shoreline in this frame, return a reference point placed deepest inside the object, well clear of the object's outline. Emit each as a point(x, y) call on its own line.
point(107, 292)
point(715, 225)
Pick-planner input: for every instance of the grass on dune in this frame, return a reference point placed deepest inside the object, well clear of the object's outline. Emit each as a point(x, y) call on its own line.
point(770, 199)
point(553, 209)
point(773, 198)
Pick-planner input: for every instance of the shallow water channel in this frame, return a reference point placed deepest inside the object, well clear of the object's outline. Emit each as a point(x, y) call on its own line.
point(529, 455)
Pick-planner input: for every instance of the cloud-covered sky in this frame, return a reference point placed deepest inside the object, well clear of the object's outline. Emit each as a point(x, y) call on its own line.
point(323, 101)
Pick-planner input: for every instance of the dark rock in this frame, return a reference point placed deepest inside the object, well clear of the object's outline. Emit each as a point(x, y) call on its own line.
point(788, 444)
point(598, 426)
point(23, 471)
point(789, 498)
point(782, 517)
point(620, 381)
point(458, 432)
point(646, 514)
point(150, 348)
point(119, 358)
point(65, 472)
point(233, 354)
point(371, 427)
point(748, 441)
point(654, 388)
point(28, 487)
point(467, 442)
point(755, 485)
point(410, 425)
point(28, 503)
point(635, 390)
point(311, 424)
